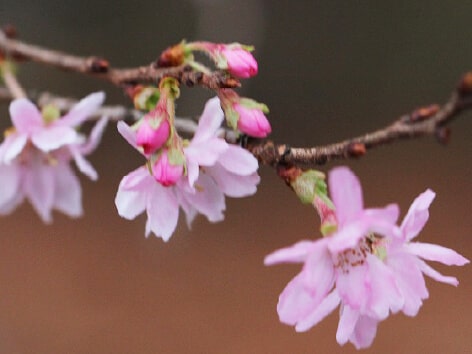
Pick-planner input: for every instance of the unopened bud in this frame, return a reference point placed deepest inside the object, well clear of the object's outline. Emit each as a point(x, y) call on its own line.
point(165, 172)
point(152, 132)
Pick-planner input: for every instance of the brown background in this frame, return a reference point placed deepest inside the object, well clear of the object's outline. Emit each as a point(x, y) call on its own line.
point(328, 70)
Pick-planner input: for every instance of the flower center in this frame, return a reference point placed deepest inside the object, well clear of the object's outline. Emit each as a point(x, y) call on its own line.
point(354, 257)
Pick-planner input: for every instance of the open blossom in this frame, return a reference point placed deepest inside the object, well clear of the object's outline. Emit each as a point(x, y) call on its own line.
point(214, 169)
point(36, 166)
point(367, 266)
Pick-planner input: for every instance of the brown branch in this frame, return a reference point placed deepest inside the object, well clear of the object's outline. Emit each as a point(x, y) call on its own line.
point(100, 68)
point(429, 120)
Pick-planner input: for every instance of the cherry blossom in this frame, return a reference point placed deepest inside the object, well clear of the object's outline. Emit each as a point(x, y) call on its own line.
point(363, 266)
point(35, 158)
point(214, 169)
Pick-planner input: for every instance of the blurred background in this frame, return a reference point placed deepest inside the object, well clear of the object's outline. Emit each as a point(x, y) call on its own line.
point(328, 70)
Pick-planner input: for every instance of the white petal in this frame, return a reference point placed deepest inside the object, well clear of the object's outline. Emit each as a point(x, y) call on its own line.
point(54, 137)
point(82, 110)
point(127, 133)
point(82, 164)
point(162, 211)
point(9, 184)
point(233, 185)
point(95, 137)
point(68, 193)
point(208, 199)
point(131, 202)
point(25, 116)
point(364, 332)
point(39, 189)
point(239, 161)
point(12, 147)
point(210, 121)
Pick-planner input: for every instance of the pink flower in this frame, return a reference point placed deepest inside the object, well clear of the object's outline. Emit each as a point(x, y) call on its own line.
point(166, 173)
point(29, 125)
point(240, 61)
point(43, 175)
point(368, 266)
point(406, 258)
point(214, 168)
point(152, 133)
point(252, 121)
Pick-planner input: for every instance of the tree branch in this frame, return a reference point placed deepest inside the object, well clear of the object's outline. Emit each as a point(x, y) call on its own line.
point(429, 120)
point(100, 68)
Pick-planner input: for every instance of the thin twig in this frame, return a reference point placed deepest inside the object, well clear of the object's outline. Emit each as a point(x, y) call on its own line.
point(429, 120)
point(100, 68)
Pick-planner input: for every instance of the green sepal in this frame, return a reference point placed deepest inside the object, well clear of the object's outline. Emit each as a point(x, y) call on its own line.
point(232, 118)
point(308, 185)
point(176, 157)
point(252, 104)
point(328, 228)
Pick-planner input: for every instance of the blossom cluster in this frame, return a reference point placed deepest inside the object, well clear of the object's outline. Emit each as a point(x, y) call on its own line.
point(213, 168)
point(368, 266)
point(36, 154)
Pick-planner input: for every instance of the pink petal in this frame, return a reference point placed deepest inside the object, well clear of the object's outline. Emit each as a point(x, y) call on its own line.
point(417, 215)
point(348, 236)
point(295, 302)
point(83, 110)
point(210, 121)
point(53, 137)
point(384, 292)
point(68, 193)
point(12, 146)
point(346, 193)
point(231, 184)
point(409, 279)
point(432, 273)
point(82, 164)
point(95, 137)
point(238, 161)
point(127, 133)
point(296, 253)
point(131, 202)
point(207, 199)
point(364, 332)
point(326, 306)
point(319, 268)
point(162, 211)
point(352, 287)
point(347, 323)
point(9, 183)
point(437, 253)
point(39, 189)
point(25, 116)
point(205, 153)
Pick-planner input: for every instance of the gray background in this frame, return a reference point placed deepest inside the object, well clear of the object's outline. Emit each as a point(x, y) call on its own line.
point(328, 70)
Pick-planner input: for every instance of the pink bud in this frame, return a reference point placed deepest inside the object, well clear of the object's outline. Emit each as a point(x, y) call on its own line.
point(241, 63)
point(152, 133)
point(165, 173)
point(252, 121)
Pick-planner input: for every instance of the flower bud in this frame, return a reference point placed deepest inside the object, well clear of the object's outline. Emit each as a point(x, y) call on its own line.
point(252, 121)
point(153, 132)
point(240, 61)
point(165, 172)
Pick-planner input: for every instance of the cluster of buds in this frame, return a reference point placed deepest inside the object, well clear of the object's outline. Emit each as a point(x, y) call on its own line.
point(155, 136)
point(236, 58)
